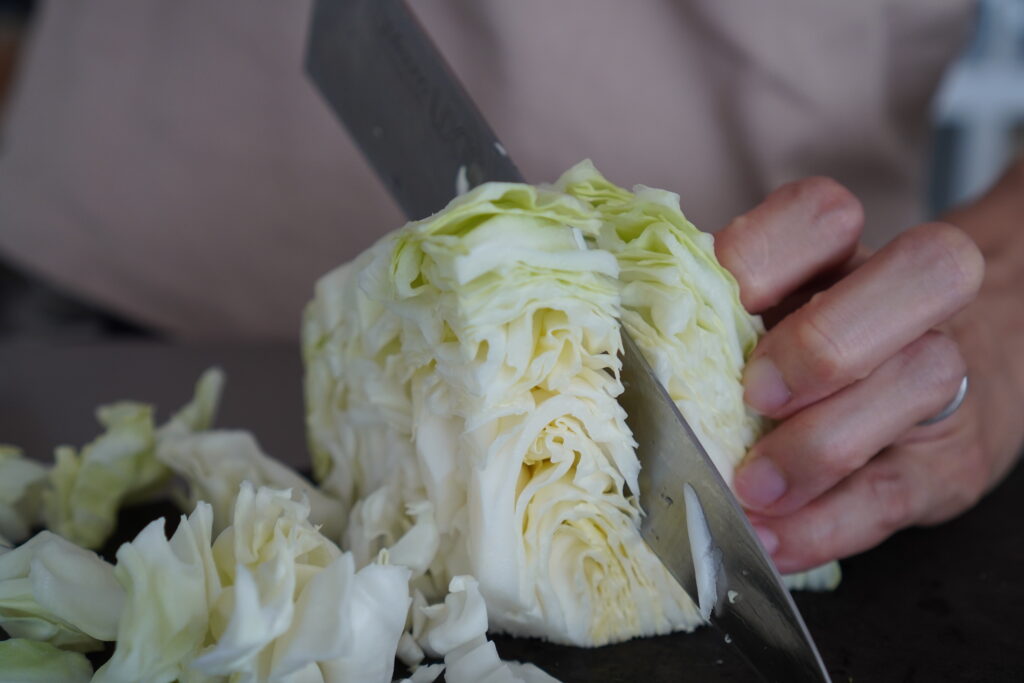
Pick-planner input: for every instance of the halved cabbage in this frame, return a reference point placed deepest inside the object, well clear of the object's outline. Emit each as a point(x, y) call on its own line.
point(466, 368)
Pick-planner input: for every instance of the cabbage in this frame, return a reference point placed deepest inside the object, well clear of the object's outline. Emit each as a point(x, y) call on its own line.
point(170, 587)
point(461, 383)
point(31, 661)
point(86, 489)
point(681, 307)
point(53, 591)
point(271, 599)
point(213, 464)
point(21, 489)
point(824, 577)
point(456, 630)
point(292, 603)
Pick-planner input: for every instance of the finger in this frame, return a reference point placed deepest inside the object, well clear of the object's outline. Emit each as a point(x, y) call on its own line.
point(824, 443)
point(901, 487)
point(843, 333)
point(799, 231)
point(865, 509)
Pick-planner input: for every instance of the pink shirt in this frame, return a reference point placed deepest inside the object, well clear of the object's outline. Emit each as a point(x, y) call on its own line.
point(168, 159)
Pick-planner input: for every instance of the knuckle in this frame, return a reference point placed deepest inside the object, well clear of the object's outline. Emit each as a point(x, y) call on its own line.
point(951, 254)
point(832, 455)
point(823, 190)
point(840, 213)
point(893, 498)
point(743, 250)
point(937, 363)
point(822, 354)
point(820, 537)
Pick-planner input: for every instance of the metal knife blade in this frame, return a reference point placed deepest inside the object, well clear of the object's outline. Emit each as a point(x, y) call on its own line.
point(382, 75)
point(753, 608)
point(391, 88)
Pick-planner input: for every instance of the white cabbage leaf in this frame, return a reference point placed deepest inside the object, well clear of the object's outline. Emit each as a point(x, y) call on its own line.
point(33, 661)
point(198, 414)
point(824, 577)
point(271, 599)
point(214, 463)
point(21, 494)
point(170, 587)
point(456, 630)
point(87, 488)
point(427, 673)
point(292, 607)
point(54, 591)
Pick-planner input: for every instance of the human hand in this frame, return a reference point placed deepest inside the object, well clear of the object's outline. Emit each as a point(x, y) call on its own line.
point(865, 348)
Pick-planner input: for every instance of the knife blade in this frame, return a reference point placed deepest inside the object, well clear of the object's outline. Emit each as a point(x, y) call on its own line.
point(752, 607)
point(383, 77)
point(404, 108)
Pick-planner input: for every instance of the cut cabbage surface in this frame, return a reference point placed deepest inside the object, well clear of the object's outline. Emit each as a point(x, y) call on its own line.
point(461, 384)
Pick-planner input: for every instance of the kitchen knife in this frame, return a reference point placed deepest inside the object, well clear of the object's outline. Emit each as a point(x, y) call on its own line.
point(378, 70)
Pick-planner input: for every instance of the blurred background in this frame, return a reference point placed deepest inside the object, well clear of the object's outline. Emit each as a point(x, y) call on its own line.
point(29, 309)
point(978, 119)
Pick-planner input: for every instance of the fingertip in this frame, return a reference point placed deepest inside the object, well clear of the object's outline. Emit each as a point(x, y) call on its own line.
point(759, 483)
point(769, 539)
point(764, 388)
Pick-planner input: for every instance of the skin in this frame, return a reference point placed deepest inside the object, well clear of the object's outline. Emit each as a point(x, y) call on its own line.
point(864, 346)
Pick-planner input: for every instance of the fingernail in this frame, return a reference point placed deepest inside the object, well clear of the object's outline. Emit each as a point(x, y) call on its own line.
point(768, 539)
point(759, 483)
point(764, 389)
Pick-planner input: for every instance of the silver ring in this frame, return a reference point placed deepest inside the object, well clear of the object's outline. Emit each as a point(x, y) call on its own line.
point(951, 408)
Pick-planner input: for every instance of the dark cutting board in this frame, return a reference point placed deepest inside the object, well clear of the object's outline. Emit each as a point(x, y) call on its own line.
point(938, 604)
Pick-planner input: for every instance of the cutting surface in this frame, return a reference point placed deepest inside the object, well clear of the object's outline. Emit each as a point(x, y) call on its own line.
point(938, 604)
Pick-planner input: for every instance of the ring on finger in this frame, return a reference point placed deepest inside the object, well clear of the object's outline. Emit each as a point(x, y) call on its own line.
point(950, 408)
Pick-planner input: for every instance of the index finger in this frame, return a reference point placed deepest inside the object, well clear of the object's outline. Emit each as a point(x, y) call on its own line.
point(798, 232)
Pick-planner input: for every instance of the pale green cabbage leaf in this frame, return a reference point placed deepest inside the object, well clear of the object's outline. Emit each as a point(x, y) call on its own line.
point(213, 465)
point(54, 591)
point(170, 588)
point(87, 488)
point(22, 482)
point(33, 661)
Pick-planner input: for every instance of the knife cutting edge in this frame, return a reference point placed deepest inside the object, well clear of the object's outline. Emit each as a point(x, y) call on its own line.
point(383, 77)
